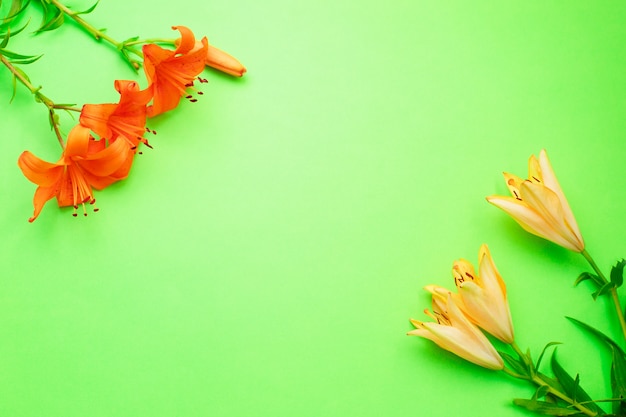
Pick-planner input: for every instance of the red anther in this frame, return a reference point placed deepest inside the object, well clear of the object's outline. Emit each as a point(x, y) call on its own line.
point(200, 92)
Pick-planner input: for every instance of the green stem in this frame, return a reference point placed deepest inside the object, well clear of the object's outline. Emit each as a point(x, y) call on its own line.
point(40, 97)
point(535, 378)
point(580, 407)
point(98, 34)
point(614, 296)
point(152, 40)
point(523, 357)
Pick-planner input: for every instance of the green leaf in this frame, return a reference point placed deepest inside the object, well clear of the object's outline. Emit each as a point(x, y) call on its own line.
point(14, 85)
point(16, 31)
point(618, 382)
point(5, 40)
point(552, 382)
point(604, 289)
point(52, 19)
point(597, 333)
point(10, 33)
point(89, 10)
point(13, 55)
point(545, 408)
point(572, 386)
point(541, 392)
point(587, 275)
point(16, 9)
point(544, 351)
point(26, 61)
point(515, 364)
point(617, 273)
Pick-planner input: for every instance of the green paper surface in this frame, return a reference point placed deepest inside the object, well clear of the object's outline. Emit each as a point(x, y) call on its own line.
point(265, 257)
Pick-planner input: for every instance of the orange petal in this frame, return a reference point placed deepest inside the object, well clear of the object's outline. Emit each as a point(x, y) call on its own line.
point(37, 170)
point(42, 196)
point(96, 117)
point(108, 160)
point(169, 72)
point(77, 141)
point(187, 40)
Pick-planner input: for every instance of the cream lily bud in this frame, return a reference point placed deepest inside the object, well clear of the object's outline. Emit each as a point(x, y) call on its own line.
point(539, 205)
point(482, 296)
point(454, 332)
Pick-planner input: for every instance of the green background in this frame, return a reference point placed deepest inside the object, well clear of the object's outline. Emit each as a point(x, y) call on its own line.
point(265, 257)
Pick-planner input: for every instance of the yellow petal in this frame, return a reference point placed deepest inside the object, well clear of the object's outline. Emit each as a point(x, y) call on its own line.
point(549, 206)
point(460, 337)
point(550, 181)
point(528, 218)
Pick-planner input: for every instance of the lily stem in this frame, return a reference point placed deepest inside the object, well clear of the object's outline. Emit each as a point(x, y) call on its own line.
point(40, 97)
point(99, 34)
point(152, 40)
point(536, 378)
point(614, 296)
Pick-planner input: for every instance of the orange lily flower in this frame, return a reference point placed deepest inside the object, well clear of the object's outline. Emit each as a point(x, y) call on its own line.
point(482, 296)
point(84, 164)
point(220, 60)
point(170, 72)
point(455, 333)
point(539, 205)
point(125, 119)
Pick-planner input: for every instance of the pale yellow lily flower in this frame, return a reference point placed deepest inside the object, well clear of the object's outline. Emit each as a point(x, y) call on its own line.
point(482, 297)
point(539, 205)
point(454, 332)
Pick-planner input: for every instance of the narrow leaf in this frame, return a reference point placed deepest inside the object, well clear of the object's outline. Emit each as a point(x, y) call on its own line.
point(14, 84)
point(53, 18)
point(552, 382)
point(26, 61)
point(541, 392)
point(5, 40)
point(545, 408)
point(13, 55)
point(544, 351)
point(587, 275)
point(16, 31)
point(572, 386)
point(515, 364)
point(16, 9)
point(89, 10)
point(22, 73)
point(617, 273)
point(53, 23)
point(618, 382)
point(597, 333)
point(604, 289)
